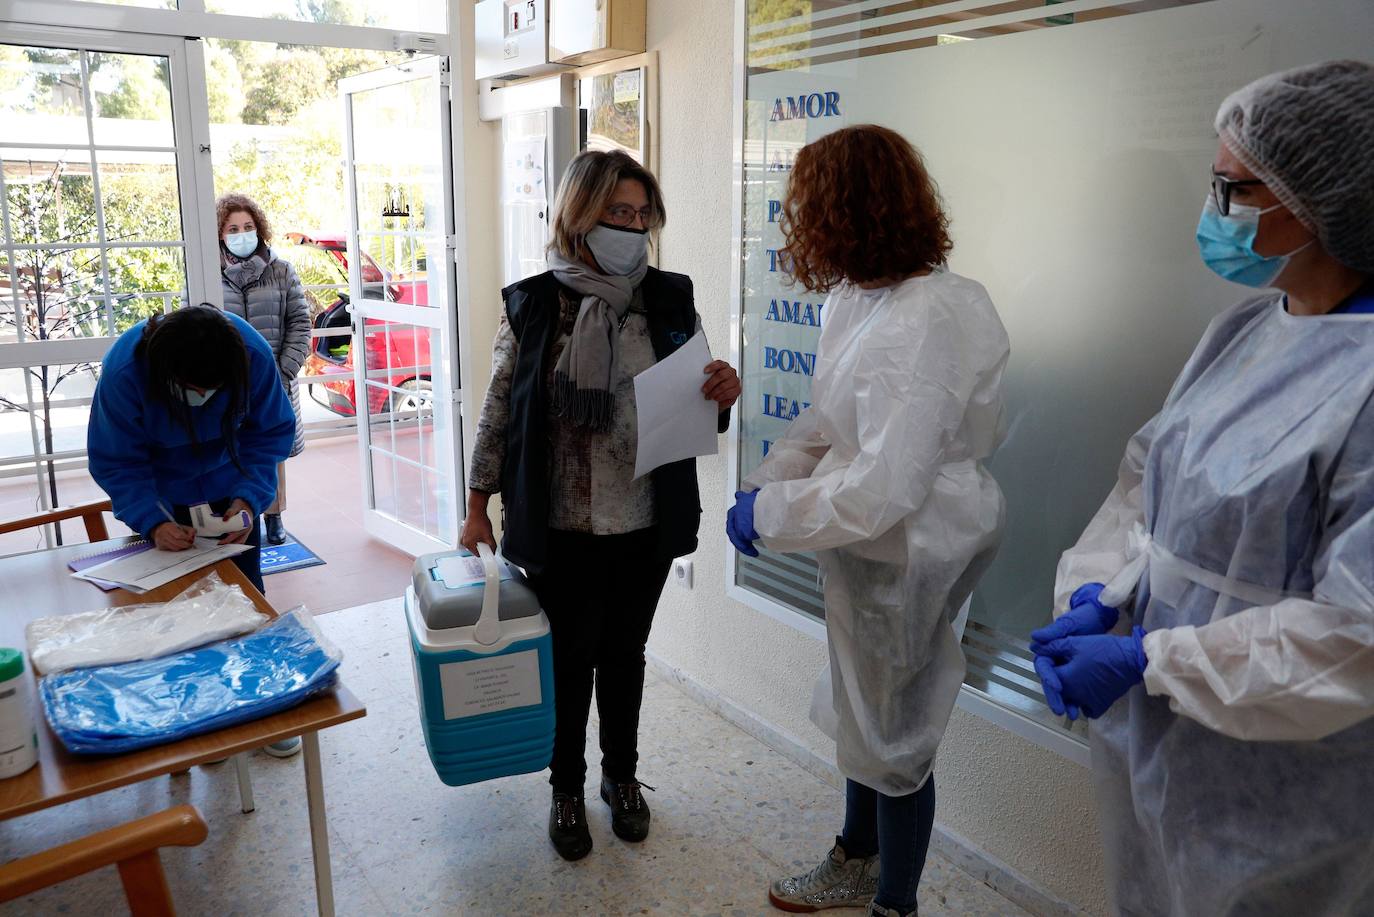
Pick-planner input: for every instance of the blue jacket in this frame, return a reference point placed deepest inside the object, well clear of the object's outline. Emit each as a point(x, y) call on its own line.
point(140, 454)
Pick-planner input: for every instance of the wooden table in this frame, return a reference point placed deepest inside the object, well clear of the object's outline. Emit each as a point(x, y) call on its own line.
point(38, 585)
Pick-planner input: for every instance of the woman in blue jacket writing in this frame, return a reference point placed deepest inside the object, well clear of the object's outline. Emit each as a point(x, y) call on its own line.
point(190, 410)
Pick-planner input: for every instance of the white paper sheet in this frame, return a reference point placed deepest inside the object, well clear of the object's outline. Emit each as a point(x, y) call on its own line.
point(676, 421)
point(150, 569)
point(459, 570)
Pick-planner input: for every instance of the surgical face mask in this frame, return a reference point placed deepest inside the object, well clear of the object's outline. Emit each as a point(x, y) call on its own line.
point(242, 244)
point(192, 397)
point(618, 251)
point(1227, 245)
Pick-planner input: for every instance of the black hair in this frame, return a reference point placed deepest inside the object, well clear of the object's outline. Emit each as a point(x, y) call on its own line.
point(197, 345)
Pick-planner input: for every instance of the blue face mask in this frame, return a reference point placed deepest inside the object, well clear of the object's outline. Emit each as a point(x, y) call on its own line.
point(242, 244)
point(1227, 245)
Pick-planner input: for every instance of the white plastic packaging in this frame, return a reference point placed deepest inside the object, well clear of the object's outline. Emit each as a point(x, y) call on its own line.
point(209, 610)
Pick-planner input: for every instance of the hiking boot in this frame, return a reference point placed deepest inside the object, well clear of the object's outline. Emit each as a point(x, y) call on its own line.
point(568, 826)
point(629, 811)
point(838, 881)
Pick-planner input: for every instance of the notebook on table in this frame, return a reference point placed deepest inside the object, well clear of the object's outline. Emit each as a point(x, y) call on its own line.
point(95, 558)
point(139, 567)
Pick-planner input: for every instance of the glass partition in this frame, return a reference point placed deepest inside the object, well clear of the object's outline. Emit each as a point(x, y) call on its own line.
point(1072, 144)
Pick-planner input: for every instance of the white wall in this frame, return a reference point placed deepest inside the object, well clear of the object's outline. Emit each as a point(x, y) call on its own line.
point(1024, 805)
point(480, 292)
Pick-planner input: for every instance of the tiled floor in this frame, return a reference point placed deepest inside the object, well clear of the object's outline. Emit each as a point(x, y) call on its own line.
point(324, 512)
point(729, 815)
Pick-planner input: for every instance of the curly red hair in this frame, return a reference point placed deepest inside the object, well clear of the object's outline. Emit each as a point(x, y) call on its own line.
point(229, 204)
point(861, 207)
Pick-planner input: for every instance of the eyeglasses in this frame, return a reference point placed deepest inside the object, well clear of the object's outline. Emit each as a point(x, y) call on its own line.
point(1221, 190)
point(624, 215)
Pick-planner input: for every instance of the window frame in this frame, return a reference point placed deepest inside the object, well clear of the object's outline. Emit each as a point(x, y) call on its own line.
point(178, 34)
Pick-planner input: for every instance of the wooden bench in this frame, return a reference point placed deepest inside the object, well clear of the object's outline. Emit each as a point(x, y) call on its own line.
point(132, 846)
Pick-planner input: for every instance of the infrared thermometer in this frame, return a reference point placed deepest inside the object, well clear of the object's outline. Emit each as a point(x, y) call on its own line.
point(208, 524)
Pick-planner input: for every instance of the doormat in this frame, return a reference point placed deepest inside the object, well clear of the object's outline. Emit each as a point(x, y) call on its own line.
point(292, 555)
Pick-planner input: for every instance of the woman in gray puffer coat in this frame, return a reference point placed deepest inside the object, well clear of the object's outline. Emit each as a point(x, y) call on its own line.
point(264, 290)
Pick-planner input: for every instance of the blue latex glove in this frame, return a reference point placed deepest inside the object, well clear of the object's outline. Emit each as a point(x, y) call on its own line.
point(1090, 673)
point(1054, 688)
point(1086, 616)
point(739, 523)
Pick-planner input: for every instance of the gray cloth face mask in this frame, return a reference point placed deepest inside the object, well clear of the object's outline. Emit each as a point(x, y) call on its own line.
point(618, 251)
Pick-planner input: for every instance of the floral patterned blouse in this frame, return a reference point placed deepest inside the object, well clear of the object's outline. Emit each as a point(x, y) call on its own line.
point(591, 475)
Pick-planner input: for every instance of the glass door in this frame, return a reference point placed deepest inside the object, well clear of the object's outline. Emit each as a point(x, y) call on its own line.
point(398, 170)
point(102, 225)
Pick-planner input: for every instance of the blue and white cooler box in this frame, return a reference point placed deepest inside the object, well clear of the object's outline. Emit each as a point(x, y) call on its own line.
point(483, 656)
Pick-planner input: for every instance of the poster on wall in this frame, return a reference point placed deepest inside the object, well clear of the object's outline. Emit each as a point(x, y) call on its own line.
point(1073, 152)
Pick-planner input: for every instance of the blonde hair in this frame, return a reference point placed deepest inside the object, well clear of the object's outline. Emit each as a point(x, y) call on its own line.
point(587, 189)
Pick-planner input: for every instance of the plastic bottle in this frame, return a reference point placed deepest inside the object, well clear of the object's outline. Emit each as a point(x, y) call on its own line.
point(18, 739)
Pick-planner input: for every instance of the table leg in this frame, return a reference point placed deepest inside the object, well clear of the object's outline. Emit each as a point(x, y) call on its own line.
point(319, 829)
point(246, 804)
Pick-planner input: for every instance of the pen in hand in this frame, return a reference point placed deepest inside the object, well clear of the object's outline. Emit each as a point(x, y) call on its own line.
point(183, 536)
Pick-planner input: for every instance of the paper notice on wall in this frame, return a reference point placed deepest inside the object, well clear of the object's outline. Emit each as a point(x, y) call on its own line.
point(490, 685)
point(523, 173)
point(626, 87)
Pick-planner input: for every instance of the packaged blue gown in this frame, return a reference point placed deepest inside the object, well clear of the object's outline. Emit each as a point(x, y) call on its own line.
point(119, 708)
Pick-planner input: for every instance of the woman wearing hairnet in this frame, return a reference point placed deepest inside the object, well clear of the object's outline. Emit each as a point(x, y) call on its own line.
point(883, 477)
point(1234, 751)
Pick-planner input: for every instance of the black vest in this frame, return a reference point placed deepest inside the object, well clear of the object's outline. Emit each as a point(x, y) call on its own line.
point(534, 312)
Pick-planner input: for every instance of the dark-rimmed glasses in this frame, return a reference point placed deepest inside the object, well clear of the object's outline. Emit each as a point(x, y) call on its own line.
point(1221, 190)
point(624, 215)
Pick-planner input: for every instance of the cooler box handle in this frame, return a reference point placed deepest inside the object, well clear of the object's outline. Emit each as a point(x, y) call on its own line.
point(488, 629)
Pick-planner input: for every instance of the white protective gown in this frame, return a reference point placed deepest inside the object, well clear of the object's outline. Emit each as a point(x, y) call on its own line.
point(1239, 778)
point(883, 478)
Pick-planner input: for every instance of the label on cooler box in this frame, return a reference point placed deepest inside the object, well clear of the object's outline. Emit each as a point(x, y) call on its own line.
point(490, 685)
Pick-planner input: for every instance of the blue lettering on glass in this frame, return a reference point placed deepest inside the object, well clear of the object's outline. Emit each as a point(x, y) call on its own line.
point(795, 313)
point(811, 106)
point(767, 444)
point(781, 161)
point(789, 361)
point(777, 260)
point(774, 210)
point(783, 408)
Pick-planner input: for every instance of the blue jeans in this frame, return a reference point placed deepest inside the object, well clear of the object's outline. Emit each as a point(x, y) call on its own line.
point(897, 828)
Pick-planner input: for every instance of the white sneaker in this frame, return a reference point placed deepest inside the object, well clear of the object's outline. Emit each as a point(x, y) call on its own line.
point(838, 881)
point(285, 748)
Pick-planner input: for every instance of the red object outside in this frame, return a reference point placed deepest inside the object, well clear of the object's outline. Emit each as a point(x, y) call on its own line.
point(404, 349)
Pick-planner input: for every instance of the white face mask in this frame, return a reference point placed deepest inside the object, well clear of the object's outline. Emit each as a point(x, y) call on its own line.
point(192, 397)
point(242, 244)
point(619, 251)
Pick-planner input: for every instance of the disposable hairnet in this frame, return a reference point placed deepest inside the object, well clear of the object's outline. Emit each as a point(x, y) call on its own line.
point(1309, 133)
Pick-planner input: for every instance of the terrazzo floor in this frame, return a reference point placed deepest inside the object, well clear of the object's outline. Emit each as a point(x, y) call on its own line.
point(730, 814)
